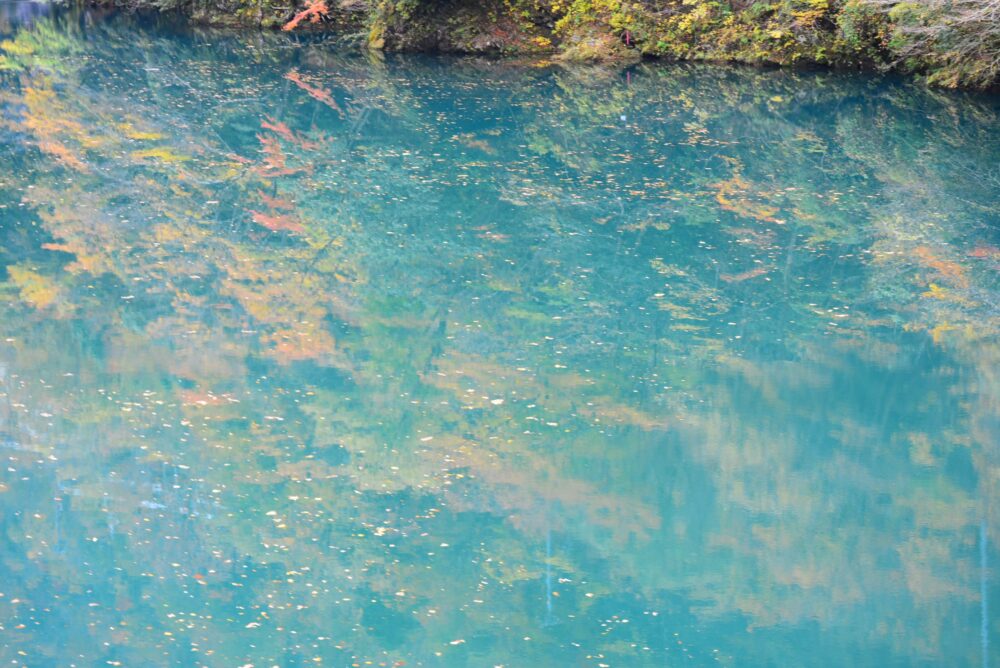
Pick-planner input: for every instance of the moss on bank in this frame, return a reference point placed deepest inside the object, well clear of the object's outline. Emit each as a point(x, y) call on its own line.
point(835, 33)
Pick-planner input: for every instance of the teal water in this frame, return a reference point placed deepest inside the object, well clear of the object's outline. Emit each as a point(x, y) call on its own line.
point(314, 357)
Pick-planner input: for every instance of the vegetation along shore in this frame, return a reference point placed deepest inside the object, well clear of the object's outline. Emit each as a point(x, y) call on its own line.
point(952, 43)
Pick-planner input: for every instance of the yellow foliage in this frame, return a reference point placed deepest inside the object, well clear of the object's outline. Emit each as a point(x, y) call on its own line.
point(47, 120)
point(39, 291)
point(937, 334)
point(16, 49)
point(131, 132)
point(84, 261)
point(160, 153)
point(733, 194)
point(935, 291)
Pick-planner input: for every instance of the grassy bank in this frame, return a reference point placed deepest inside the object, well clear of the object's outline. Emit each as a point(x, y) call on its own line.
point(953, 43)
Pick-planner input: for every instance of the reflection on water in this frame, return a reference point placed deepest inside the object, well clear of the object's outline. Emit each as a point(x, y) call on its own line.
point(317, 356)
point(21, 13)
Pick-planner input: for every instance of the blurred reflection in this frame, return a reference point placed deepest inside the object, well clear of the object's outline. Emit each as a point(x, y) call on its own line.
point(312, 355)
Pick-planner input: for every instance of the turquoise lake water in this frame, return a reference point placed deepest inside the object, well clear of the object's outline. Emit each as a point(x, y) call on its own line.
point(310, 356)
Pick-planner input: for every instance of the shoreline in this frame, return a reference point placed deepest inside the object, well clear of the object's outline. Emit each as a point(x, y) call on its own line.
point(849, 36)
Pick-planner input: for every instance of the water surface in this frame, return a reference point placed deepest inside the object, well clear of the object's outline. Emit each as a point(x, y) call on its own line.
point(309, 356)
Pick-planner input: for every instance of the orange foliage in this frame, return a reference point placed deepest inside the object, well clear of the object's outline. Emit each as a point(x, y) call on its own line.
point(985, 253)
point(283, 131)
point(470, 141)
point(608, 410)
point(733, 194)
point(947, 269)
point(85, 261)
point(316, 10)
point(742, 276)
point(47, 120)
point(291, 346)
point(279, 128)
point(493, 236)
point(314, 92)
point(195, 398)
point(275, 203)
point(278, 222)
point(59, 151)
point(274, 159)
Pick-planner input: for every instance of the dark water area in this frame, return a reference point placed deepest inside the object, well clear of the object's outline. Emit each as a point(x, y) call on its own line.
point(310, 356)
